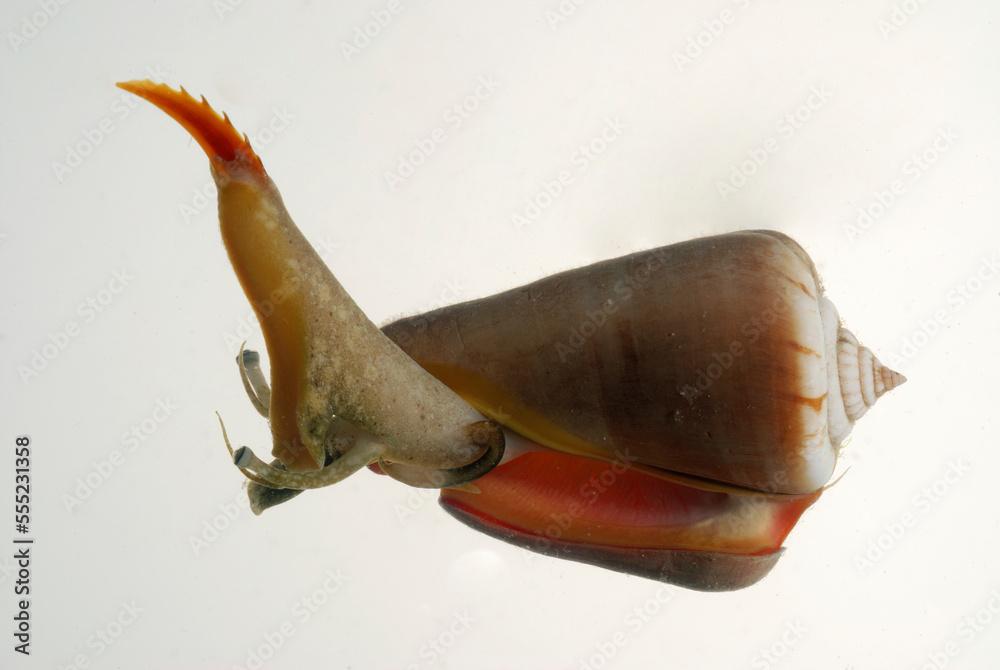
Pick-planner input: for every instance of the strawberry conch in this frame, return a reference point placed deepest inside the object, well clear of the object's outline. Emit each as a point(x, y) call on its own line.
point(669, 414)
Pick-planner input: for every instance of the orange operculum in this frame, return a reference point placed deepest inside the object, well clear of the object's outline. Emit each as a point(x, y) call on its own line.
point(215, 133)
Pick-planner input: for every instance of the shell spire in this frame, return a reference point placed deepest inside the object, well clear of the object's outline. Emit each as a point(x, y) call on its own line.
point(863, 378)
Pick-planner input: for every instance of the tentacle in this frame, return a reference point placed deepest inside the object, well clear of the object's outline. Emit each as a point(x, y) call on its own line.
point(268, 475)
point(229, 448)
point(253, 380)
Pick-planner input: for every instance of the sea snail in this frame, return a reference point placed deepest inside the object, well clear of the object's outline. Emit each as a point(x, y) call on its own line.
point(668, 414)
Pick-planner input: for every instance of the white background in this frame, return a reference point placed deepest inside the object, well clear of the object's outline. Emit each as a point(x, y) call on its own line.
point(881, 573)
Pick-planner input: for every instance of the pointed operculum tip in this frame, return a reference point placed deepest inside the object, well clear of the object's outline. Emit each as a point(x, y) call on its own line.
point(215, 134)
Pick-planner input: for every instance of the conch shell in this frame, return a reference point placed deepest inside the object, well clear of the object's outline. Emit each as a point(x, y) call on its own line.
point(692, 398)
point(669, 414)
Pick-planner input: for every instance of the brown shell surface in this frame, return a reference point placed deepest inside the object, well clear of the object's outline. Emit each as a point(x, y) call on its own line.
point(687, 358)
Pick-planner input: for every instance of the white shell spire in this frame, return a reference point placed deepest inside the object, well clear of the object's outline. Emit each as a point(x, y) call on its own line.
point(863, 378)
point(855, 377)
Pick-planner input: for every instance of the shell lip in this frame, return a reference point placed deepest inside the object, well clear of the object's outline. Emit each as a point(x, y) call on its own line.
point(697, 569)
point(525, 445)
point(624, 518)
point(709, 484)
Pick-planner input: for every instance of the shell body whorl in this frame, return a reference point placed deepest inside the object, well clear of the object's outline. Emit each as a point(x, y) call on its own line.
point(718, 358)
